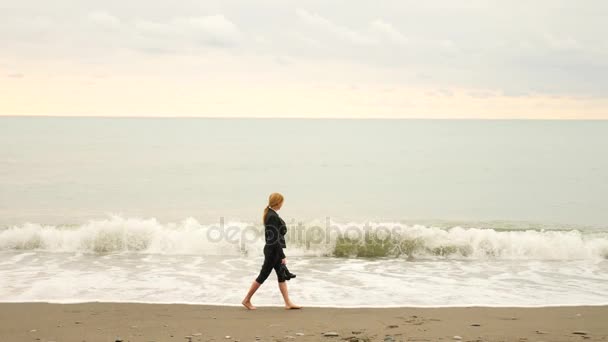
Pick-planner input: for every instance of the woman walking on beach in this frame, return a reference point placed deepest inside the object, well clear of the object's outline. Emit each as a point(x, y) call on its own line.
point(274, 233)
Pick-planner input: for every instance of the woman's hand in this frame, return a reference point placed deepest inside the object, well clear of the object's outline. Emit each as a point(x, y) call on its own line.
point(284, 261)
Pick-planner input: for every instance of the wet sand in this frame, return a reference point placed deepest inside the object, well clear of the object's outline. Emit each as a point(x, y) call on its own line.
point(177, 322)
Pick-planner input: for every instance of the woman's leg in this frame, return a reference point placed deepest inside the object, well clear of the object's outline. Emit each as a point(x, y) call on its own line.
point(283, 286)
point(247, 301)
point(288, 303)
point(269, 260)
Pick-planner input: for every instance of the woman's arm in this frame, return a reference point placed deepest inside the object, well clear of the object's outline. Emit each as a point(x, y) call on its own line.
point(275, 226)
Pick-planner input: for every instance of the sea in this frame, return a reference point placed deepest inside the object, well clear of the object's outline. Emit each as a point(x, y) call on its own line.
point(380, 213)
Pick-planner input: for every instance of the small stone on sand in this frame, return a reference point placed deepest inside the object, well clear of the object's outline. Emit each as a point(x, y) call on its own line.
point(299, 334)
point(579, 332)
point(457, 338)
point(475, 325)
point(331, 334)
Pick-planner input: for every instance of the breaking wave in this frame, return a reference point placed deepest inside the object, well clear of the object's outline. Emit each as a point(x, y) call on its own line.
point(116, 234)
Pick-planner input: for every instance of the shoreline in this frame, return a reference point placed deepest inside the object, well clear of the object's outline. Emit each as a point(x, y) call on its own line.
point(219, 305)
point(107, 321)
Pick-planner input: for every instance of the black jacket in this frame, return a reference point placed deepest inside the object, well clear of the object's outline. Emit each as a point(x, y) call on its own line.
point(274, 231)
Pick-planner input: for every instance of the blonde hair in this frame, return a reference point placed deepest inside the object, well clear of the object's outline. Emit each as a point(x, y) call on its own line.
point(274, 199)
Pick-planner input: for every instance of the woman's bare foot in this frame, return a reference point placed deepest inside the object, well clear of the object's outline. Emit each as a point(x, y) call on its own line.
point(248, 305)
point(292, 306)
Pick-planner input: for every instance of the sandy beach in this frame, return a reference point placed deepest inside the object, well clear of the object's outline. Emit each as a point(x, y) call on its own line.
point(176, 322)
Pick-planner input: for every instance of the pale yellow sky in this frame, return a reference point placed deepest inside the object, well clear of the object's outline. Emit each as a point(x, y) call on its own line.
point(132, 96)
point(217, 59)
point(158, 93)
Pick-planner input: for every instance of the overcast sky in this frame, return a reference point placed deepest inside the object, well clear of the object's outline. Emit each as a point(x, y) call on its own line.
point(244, 58)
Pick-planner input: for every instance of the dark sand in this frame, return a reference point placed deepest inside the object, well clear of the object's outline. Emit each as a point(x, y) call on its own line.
point(175, 322)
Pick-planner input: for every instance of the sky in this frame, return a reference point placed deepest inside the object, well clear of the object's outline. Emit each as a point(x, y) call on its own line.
point(541, 59)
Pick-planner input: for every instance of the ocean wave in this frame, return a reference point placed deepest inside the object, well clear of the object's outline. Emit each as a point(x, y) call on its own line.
point(135, 235)
point(416, 242)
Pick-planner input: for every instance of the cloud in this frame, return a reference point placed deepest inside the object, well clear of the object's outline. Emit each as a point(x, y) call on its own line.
point(209, 30)
point(375, 32)
point(388, 31)
point(103, 19)
point(480, 94)
point(15, 75)
point(214, 28)
point(561, 43)
point(341, 32)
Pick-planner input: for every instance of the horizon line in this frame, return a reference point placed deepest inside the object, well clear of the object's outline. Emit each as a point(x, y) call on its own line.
point(288, 118)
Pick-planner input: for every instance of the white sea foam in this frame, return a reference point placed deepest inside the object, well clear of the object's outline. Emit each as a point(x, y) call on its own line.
point(322, 281)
